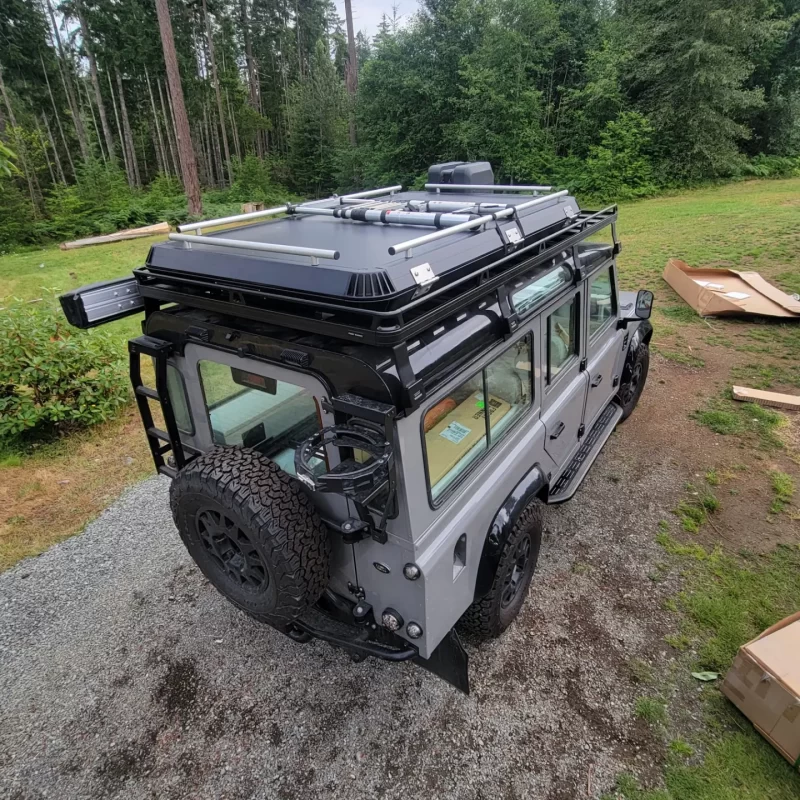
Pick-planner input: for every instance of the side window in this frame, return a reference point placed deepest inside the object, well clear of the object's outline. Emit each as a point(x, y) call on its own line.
point(180, 404)
point(460, 428)
point(255, 411)
point(562, 337)
point(602, 300)
point(527, 295)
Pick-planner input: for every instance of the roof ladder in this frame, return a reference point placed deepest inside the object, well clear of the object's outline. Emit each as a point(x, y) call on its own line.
point(160, 442)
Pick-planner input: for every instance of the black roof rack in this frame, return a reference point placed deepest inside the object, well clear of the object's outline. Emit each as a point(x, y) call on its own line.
point(370, 322)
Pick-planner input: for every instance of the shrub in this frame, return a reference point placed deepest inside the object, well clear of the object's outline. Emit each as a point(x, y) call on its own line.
point(620, 166)
point(53, 377)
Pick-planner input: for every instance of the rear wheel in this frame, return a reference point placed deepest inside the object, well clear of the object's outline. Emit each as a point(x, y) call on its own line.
point(634, 377)
point(253, 532)
point(492, 614)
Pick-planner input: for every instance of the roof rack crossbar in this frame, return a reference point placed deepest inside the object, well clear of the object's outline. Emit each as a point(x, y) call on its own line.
point(271, 212)
point(370, 193)
point(488, 187)
point(314, 253)
point(212, 223)
point(408, 245)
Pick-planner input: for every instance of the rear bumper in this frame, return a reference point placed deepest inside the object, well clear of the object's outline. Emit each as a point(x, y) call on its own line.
point(448, 661)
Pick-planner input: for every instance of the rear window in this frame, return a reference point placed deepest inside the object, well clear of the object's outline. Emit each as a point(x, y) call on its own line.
point(250, 410)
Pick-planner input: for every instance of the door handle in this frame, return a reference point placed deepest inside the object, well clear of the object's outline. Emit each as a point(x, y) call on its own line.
point(596, 381)
point(558, 431)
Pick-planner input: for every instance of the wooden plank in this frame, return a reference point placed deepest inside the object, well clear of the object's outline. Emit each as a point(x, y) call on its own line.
point(119, 236)
point(775, 399)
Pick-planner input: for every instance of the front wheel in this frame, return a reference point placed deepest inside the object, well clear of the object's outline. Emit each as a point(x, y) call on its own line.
point(489, 616)
point(634, 377)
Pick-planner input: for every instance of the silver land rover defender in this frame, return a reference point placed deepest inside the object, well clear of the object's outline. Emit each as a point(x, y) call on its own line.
point(368, 400)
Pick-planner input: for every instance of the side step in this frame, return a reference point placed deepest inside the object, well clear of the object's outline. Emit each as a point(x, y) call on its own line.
point(574, 473)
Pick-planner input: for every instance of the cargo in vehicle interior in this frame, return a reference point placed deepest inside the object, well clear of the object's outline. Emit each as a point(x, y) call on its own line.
point(369, 400)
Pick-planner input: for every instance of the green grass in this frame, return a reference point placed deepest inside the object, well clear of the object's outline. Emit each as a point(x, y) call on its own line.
point(750, 421)
point(652, 710)
point(783, 488)
point(726, 602)
point(765, 376)
point(684, 359)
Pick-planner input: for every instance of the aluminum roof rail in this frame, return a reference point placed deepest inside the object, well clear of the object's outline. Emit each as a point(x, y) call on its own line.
point(269, 212)
point(371, 193)
point(408, 245)
point(213, 241)
point(487, 187)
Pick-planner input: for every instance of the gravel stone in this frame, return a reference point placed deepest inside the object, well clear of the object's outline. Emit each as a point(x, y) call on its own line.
point(123, 673)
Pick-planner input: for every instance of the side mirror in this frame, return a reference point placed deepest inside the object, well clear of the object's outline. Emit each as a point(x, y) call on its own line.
point(644, 304)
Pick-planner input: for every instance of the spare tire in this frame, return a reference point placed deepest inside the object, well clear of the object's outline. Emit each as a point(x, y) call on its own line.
point(253, 532)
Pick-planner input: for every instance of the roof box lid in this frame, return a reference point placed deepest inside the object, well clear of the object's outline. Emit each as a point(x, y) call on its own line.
point(462, 173)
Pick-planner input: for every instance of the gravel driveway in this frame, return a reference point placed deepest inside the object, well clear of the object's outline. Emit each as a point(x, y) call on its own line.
point(124, 674)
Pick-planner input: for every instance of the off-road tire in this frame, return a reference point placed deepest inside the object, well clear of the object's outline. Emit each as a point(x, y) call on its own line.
point(278, 534)
point(487, 618)
point(634, 377)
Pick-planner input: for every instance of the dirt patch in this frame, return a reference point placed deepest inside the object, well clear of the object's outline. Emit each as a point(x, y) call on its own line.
point(52, 495)
point(664, 427)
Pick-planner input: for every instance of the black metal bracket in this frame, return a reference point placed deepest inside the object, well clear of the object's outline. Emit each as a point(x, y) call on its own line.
point(362, 425)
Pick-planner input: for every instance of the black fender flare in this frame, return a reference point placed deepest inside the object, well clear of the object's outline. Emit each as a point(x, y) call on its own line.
point(503, 523)
point(642, 335)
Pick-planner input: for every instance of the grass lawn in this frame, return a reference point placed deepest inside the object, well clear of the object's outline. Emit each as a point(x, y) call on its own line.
point(729, 596)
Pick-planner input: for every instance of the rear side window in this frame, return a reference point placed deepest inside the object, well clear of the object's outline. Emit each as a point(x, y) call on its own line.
point(252, 410)
point(527, 296)
point(602, 300)
point(562, 337)
point(459, 429)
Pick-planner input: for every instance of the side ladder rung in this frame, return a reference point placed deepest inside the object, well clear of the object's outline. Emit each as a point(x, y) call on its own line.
point(157, 433)
point(146, 391)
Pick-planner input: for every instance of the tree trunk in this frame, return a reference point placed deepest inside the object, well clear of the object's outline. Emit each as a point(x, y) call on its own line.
point(59, 168)
point(209, 152)
point(126, 128)
point(58, 118)
point(46, 154)
point(20, 146)
point(126, 163)
point(98, 95)
point(169, 130)
point(67, 78)
point(158, 141)
point(183, 133)
point(217, 151)
point(217, 91)
point(252, 81)
point(351, 69)
point(94, 120)
point(235, 130)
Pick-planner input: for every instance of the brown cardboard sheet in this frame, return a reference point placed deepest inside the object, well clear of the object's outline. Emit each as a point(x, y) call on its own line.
point(726, 292)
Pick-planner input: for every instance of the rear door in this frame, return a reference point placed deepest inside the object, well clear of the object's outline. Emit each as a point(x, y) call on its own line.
point(564, 381)
point(604, 341)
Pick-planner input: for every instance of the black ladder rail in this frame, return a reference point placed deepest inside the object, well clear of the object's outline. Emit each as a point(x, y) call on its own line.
point(160, 442)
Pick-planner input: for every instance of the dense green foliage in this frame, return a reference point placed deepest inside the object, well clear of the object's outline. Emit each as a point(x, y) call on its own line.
point(52, 376)
point(615, 100)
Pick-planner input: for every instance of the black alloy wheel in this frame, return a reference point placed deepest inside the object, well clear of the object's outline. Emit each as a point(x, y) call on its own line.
point(231, 550)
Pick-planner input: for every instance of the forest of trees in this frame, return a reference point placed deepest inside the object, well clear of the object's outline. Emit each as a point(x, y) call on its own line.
point(114, 112)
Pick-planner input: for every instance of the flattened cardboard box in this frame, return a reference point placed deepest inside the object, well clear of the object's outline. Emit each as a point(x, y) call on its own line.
point(726, 292)
point(764, 683)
